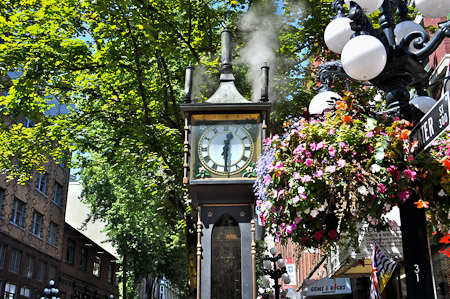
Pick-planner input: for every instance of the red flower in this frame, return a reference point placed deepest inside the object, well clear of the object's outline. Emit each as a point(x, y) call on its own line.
point(318, 235)
point(445, 239)
point(332, 234)
point(346, 118)
point(445, 251)
point(446, 163)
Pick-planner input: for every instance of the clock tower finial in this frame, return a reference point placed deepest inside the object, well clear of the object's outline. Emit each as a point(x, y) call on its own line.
point(227, 65)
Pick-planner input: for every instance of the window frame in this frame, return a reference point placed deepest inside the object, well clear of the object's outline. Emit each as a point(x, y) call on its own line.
point(52, 272)
point(70, 252)
point(57, 193)
point(11, 295)
point(23, 289)
point(3, 250)
point(53, 230)
point(97, 267)
point(38, 224)
point(111, 273)
point(84, 253)
point(42, 268)
point(41, 184)
point(28, 270)
point(15, 261)
point(2, 196)
point(18, 213)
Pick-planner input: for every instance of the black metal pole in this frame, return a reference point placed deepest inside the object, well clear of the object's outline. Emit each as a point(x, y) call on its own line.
point(416, 251)
point(277, 289)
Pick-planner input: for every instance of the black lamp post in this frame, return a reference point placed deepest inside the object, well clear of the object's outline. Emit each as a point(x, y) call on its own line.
point(391, 58)
point(51, 292)
point(275, 268)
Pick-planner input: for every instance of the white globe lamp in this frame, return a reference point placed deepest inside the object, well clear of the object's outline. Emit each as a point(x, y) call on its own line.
point(286, 278)
point(423, 103)
point(266, 280)
point(325, 100)
point(369, 6)
point(403, 29)
point(337, 34)
point(281, 263)
point(364, 57)
point(273, 251)
point(267, 264)
point(433, 8)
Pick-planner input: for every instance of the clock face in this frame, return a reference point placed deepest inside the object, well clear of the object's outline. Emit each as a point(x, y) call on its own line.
point(225, 149)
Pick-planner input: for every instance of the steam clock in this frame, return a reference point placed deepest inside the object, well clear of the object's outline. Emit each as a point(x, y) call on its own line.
point(223, 140)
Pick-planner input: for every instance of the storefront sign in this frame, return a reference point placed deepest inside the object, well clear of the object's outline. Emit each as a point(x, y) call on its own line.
point(328, 286)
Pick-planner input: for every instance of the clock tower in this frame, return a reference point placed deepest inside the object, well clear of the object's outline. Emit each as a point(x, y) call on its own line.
point(223, 140)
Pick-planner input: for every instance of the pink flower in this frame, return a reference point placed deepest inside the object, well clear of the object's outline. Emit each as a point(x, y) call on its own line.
point(306, 178)
point(331, 169)
point(381, 188)
point(296, 199)
point(320, 145)
point(268, 141)
point(297, 220)
point(370, 134)
point(331, 131)
point(313, 146)
point(267, 179)
point(341, 144)
point(308, 162)
point(289, 229)
point(404, 195)
point(318, 173)
point(341, 163)
point(296, 176)
point(331, 151)
point(410, 174)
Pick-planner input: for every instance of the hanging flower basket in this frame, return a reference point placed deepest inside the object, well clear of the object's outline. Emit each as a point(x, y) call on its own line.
point(321, 178)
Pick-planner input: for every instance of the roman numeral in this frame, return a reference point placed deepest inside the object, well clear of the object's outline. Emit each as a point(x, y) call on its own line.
point(207, 159)
point(247, 148)
point(245, 137)
point(215, 166)
point(244, 158)
point(205, 149)
point(225, 128)
point(215, 130)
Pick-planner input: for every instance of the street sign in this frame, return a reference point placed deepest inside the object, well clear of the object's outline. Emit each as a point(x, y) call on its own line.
point(431, 125)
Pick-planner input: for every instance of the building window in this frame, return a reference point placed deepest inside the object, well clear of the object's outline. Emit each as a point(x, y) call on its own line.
point(97, 266)
point(29, 267)
point(28, 123)
point(57, 192)
point(70, 254)
point(83, 259)
point(111, 273)
point(41, 271)
point(52, 272)
point(17, 213)
point(36, 224)
point(25, 292)
point(14, 261)
point(10, 291)
point(3, 249)
point(2, 195)
point(53, 234)
point(42, 183)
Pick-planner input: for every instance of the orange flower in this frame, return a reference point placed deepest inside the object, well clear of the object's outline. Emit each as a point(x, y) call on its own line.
point(422, 204)
point(341, 105)
point(346, 118)
point(404, 134)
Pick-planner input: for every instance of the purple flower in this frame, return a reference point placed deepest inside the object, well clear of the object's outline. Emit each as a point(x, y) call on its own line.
point(404, 195)
point(370, 134)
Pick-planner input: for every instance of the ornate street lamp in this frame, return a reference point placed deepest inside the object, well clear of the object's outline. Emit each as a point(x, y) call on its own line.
point(275, 268)
point(51, 292)
point(391, 58)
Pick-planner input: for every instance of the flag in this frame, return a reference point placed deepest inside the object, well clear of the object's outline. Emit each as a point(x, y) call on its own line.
point(382, 269)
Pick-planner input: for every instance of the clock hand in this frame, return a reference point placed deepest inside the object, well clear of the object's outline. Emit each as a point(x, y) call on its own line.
point(226, 150)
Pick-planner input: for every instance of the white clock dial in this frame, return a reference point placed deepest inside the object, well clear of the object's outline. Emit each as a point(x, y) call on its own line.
point(225, 149)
